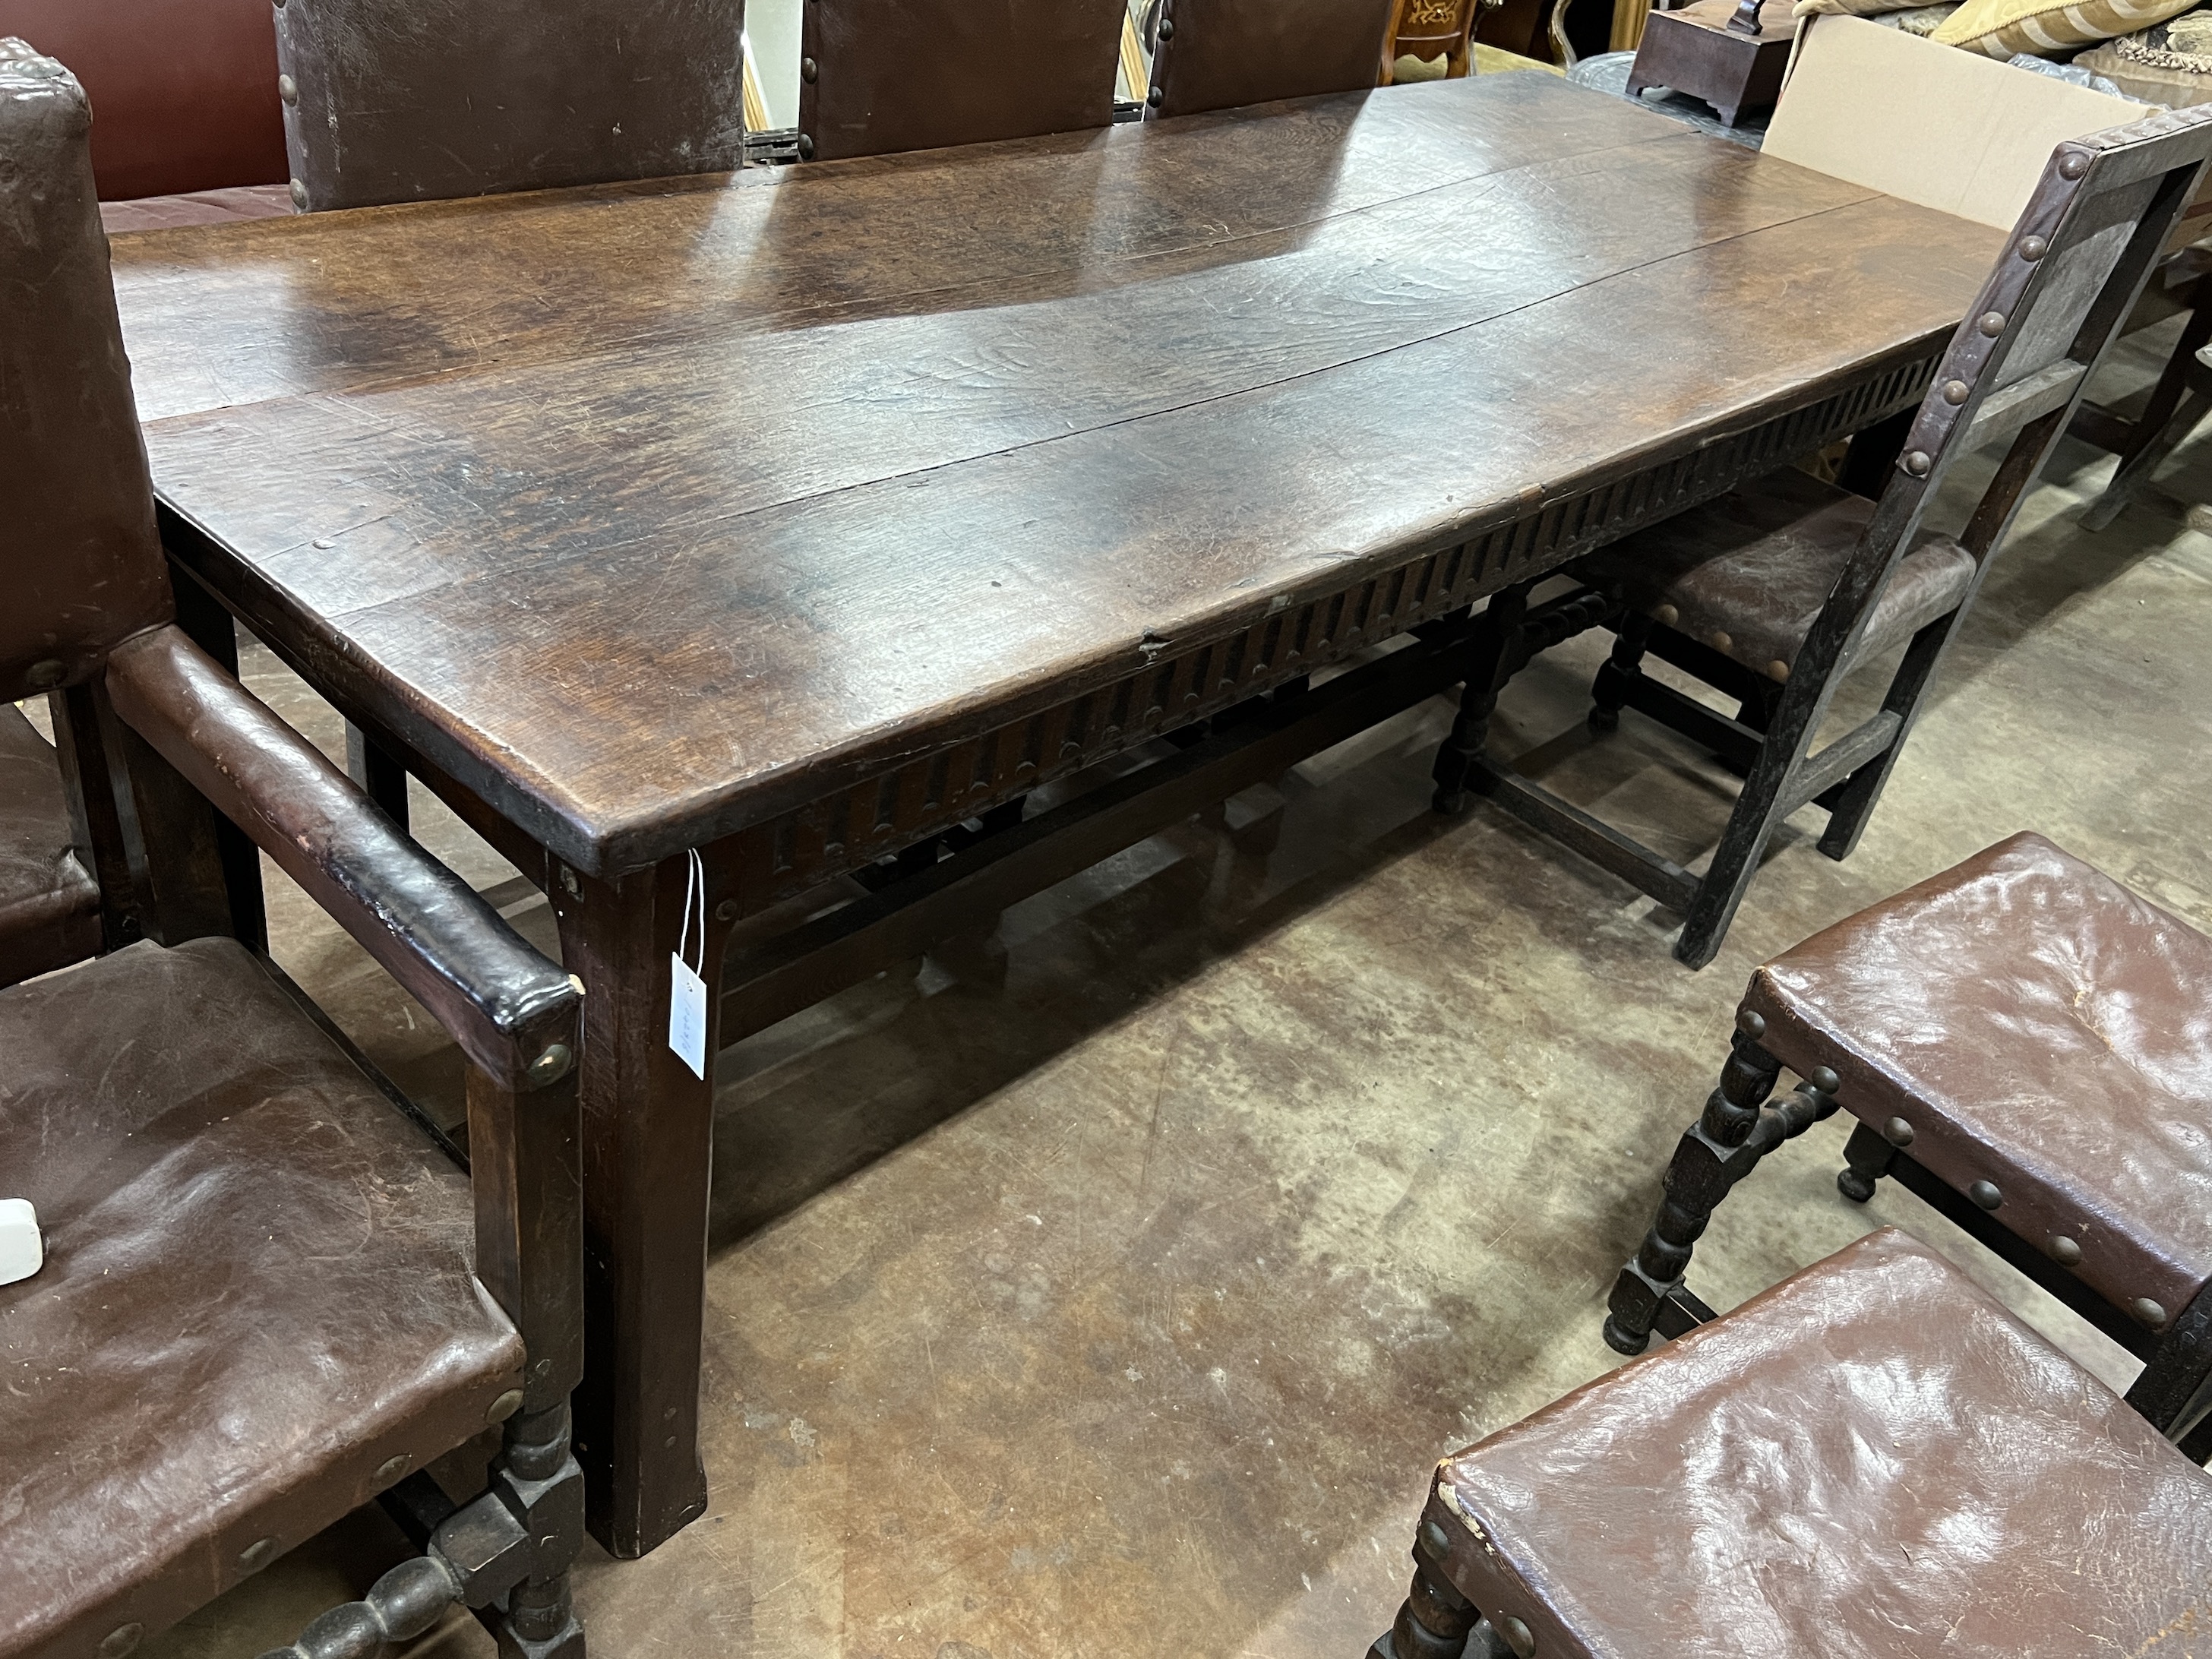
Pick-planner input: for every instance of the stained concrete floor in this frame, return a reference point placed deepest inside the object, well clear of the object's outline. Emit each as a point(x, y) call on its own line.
point(1123, 1311)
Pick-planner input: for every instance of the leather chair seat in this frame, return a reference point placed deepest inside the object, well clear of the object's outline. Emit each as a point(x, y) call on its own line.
point(1747, 574)
point(1873, 1458)
point(198, 207)
point(49, 906)
point(257, 1308)
point(2035, 1026)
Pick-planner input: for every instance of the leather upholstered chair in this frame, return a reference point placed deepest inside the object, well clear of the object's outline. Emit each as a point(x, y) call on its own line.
point(412, 100)
point(2027, 1046)
point(1773, 593)
point(1871, 1461)
point(1219, 54)
point(1426, 31)
point(267, 1295)
point(882, 75)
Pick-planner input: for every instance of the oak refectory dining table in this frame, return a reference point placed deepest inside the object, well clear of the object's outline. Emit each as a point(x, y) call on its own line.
point(807, 519)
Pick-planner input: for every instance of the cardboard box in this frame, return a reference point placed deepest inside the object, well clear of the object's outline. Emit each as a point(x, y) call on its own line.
point(1944, 128)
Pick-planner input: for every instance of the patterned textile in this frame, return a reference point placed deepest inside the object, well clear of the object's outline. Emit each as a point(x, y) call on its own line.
point(2184, 44)
point(2045, 28)
point(1873, 9)
point(1923, 20)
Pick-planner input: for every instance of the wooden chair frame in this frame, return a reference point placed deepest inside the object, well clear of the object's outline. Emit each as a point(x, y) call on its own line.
point(1740, 1126)
point(2064, 284)
point(180, 780)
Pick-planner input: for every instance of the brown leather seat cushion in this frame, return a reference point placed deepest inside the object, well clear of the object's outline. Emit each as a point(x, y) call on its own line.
point(257, 1290)
point(201, 207)
point(49, 907)
point(1753, 568)
point(1873, 1458)
point(2041, 1028)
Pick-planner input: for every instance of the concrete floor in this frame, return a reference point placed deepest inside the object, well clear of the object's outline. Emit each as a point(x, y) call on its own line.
point(1123, 1312)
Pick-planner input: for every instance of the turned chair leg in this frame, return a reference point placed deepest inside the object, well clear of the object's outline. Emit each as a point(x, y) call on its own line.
point(1867, 1158)
point(1697, 1180)
point(1609, 692)
point(1490, 663)
point(1432, 1622)
point(1436, 1622)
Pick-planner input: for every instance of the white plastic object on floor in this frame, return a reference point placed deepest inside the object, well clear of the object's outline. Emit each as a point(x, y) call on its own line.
point(21, 1251)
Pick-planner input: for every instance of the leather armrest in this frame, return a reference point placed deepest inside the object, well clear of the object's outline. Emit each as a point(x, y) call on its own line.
point(512, 1011)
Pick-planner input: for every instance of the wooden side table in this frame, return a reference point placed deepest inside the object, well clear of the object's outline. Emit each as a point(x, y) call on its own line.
point(1699, 50)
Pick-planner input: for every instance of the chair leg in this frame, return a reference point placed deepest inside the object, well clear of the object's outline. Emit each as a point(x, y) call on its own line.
point(1491, 660)
point(2149, 454)
point(1867, 1158)
point(1436, 1622)
point(1698, 1178)
point(1609, 692)
point(2174, 1392)
point(1734, 862)
point(1853, 805)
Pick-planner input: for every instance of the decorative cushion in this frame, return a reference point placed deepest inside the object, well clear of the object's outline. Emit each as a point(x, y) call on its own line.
point(2168, 63)
point(1853, 8)
point(1871, 1461)
point(1999, 28)
point(1922, 21)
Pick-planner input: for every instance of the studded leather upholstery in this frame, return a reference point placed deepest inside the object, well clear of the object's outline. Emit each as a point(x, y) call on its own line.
point(1872, 1459)
point(1748, 574)
point(888, 76)
point(1220, 54)
point(256, 1292)
point(49, 907)
point(2036, 1026)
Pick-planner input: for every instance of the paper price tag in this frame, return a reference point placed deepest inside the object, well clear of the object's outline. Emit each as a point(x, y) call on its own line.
point(687, 1015)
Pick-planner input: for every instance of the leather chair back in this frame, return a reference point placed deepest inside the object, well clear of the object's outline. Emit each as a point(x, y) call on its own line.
point(186, 89)
point(880, 76)
point(83, 563)
point(1217, 54)
point(406, 100)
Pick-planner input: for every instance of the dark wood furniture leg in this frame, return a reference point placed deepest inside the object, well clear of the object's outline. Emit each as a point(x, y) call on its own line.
point(1490, 664)
point(648, 1143)
point(95, 818)
point(2155, 437)
point(1435, 1622)
point(1872, 453)
point(208, 622)
point(381, 778)
point(2161, 419)
point(1697, 1179)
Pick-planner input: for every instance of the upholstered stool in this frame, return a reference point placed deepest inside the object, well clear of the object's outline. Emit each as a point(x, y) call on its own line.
point(2028, 1046)
point(1873, 1458)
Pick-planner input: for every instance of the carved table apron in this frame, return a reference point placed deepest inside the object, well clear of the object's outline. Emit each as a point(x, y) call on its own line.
point(802, 516)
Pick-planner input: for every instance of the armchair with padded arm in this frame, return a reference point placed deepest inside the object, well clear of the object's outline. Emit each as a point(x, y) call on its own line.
point(268, 1294)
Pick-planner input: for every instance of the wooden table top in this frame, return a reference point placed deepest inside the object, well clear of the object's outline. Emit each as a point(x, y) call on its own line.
point(651, 511)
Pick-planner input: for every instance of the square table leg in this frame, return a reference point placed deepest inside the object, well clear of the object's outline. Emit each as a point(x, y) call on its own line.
point(648, 1141)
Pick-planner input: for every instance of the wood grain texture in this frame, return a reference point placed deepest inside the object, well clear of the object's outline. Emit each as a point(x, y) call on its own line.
point(652, 514)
